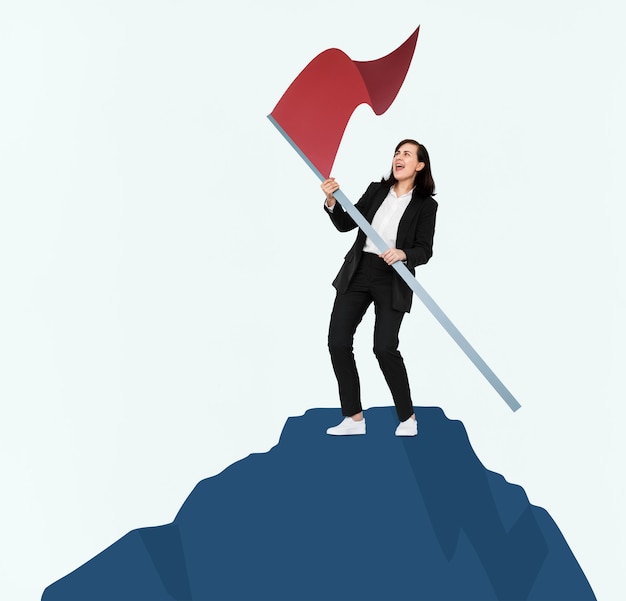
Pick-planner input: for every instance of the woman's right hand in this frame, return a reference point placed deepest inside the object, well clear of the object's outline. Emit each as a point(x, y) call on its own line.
point(330, 186)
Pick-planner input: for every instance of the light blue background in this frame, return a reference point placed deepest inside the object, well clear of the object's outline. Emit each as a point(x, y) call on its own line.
point(165, 263)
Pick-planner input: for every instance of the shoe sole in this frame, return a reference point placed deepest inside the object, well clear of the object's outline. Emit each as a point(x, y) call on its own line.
point(345, 433)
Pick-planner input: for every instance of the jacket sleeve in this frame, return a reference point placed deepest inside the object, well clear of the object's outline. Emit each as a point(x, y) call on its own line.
point(421, 249)
point(341, 220)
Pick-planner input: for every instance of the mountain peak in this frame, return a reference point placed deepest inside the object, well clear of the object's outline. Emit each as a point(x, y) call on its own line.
point(358, 517)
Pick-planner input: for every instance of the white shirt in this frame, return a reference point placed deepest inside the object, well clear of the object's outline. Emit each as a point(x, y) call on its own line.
point(387, 218)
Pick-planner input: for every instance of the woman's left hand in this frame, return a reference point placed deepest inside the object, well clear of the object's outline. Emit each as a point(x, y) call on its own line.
point(391, 255)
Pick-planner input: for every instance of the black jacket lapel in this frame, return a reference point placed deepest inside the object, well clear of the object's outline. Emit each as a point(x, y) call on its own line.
point(409, 215)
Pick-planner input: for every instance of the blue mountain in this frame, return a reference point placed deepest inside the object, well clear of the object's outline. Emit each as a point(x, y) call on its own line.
point(371, 517)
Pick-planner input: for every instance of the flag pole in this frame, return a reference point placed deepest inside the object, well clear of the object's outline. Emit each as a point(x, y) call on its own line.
point(412, 282)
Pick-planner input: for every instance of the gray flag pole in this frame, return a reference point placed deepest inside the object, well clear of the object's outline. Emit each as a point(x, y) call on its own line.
point(415, 286)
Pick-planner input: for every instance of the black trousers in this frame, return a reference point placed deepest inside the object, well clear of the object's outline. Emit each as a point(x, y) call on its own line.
point(371, 283)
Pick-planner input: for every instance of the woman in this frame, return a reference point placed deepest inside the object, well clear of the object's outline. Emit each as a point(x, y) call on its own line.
point(402, 211)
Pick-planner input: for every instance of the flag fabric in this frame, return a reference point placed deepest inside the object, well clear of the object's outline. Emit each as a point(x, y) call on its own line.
point(314, 111)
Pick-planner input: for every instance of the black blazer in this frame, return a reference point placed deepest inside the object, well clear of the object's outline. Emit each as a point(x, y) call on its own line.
point(415, 237)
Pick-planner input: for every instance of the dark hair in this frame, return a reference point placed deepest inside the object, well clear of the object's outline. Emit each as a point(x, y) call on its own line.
point(424, 182)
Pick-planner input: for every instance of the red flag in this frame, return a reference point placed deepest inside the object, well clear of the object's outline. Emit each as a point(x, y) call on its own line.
point(314, 111)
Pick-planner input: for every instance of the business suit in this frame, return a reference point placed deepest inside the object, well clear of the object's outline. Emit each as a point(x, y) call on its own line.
point(363, 279)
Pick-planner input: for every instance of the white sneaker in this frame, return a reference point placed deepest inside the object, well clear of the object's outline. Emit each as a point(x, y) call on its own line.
point(407, 428)
point(348, 427)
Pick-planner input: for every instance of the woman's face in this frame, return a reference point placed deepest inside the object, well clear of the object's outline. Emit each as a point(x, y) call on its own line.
point(405, 162)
